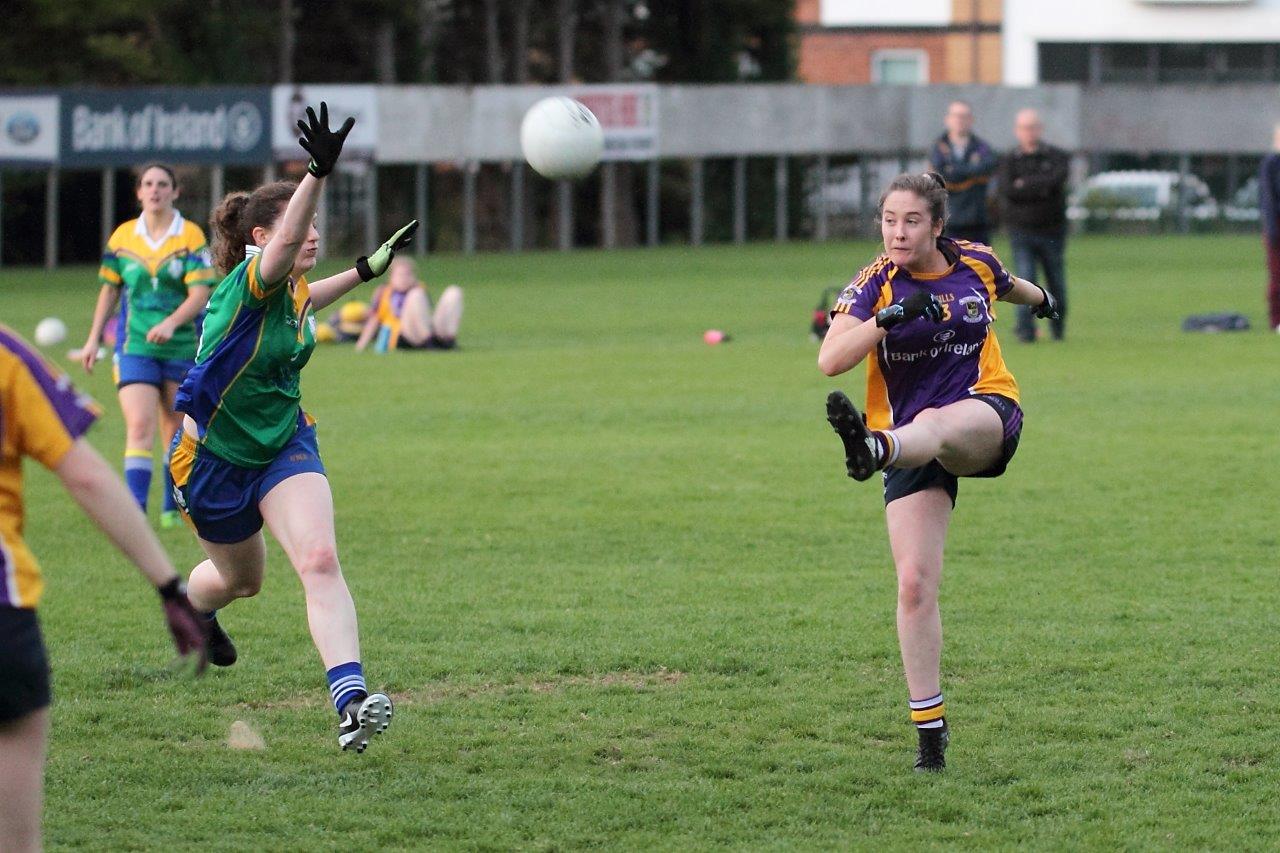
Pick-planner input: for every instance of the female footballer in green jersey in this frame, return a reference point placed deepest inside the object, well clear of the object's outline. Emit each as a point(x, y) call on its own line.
point(157, 268)
point(246, 453)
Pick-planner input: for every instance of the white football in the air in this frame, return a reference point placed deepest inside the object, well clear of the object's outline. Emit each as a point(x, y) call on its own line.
point(561, 138)
point(50, 331)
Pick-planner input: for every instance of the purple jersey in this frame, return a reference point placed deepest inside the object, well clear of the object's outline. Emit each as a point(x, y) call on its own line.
point(923, 365)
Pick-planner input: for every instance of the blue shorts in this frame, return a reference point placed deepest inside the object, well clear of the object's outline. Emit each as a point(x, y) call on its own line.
point(145, 370)
point(221, 499)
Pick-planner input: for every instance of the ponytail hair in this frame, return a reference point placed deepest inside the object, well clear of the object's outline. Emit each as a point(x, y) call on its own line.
point(930, 186)
point(238, 214)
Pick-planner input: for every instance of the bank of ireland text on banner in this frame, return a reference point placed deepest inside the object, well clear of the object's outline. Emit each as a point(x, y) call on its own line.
point(228, 125)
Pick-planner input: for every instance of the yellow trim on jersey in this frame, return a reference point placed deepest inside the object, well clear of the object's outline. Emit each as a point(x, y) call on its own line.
point(110, 276)
point(993, 376)
point(258, 288)
point(879, 410)
point(988, 277)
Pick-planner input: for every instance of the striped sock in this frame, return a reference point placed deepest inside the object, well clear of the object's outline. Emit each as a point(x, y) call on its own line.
point(137, 474)
point(928, 713)
point(890, 447)
point(346, 682)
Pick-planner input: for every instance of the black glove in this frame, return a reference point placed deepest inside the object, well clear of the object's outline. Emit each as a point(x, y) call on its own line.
point(190, 634)
point(919, 304)
point(1047, 310)
point(324, 145)
point(376, 264)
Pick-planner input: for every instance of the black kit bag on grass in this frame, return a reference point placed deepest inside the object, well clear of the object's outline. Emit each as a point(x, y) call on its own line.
point(1225, 322)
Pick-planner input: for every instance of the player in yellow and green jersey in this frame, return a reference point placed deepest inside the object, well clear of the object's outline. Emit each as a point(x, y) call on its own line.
point(157, 267)
point(247, 454)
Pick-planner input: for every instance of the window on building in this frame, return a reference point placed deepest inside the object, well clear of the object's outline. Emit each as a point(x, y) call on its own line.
point(1064, 63)
point(1072, 62)
point(1127, 63)
point(900, 67)
point(1242, 63)
point(1184, 63)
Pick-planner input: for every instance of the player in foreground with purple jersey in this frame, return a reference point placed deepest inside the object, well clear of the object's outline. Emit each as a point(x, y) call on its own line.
point(940, 405)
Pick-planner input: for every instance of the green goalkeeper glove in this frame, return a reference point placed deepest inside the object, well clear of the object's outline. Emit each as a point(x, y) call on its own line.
point(376, 264)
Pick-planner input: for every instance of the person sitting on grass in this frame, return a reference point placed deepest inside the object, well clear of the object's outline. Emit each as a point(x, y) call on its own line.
point(401, 316)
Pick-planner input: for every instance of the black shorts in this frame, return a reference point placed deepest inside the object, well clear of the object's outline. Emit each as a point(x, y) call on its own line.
point(24, 666)
point(429, 343)
point(900, 482)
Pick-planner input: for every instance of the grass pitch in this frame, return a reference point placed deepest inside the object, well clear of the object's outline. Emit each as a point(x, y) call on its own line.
point(624, 595)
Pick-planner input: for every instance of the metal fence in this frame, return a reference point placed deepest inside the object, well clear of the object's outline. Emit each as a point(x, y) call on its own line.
point(697, 163)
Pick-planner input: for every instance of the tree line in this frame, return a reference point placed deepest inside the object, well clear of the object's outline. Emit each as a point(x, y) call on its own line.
point(449, 42)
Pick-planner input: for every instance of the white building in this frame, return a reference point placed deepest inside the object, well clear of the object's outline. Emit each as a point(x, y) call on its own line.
point(1141, 41)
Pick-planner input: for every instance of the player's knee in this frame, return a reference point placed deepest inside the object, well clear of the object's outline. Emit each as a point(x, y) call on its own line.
point(246, 587)
point(319, 562)
point(915, 589)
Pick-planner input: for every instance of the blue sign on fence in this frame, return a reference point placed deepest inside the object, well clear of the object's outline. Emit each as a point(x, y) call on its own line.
point(127, 127)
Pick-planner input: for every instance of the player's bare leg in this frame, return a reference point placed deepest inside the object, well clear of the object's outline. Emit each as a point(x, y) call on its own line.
point(917, 534)
point(965, 437)
point(415, 317)
point(299, 513)
point(447, 317)
point(140, 404)
point(22, 753)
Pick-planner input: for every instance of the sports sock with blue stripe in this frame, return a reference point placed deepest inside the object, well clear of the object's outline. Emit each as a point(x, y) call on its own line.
point(346, 682)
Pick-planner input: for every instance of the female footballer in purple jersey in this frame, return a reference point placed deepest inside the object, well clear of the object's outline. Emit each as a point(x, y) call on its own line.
point(940, 405)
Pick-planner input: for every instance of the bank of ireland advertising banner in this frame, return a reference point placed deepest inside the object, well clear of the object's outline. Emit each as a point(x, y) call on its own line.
point(628, 116)
point(228, 125)
point(289, 104)
point(29, 129)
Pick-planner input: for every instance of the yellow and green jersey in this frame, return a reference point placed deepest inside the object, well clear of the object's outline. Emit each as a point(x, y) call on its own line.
point(154, 277)
point(244, 392)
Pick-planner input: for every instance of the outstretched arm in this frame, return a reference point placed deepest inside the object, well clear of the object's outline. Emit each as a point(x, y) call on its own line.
point(327, 290)
point(103, 497)
point(1025, 292)
point(324, 146)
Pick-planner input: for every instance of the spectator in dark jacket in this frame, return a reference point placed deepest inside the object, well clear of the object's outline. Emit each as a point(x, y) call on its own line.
point(967, 163)
point(1032, 185)
point(1269, 203)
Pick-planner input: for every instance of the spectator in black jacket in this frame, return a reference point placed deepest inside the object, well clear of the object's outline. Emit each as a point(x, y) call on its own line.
point(1269, 203)
point(967, 163)
point(1032, 186)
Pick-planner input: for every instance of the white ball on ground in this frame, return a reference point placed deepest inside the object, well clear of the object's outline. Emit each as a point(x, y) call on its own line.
point(561, 138)
point(50, 331)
